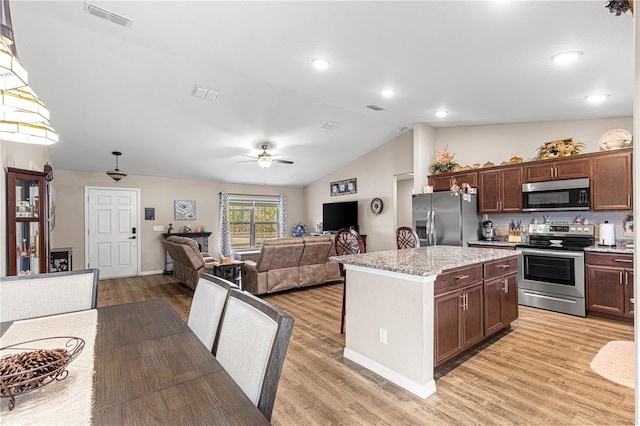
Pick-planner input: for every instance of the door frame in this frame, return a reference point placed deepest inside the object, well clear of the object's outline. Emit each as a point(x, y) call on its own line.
point(86, 221)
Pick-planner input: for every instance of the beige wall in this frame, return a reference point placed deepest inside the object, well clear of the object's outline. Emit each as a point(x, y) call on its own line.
point(159, 193)
point(20, 156)
point(473, 144)
point(375, 173)
point(479, 144)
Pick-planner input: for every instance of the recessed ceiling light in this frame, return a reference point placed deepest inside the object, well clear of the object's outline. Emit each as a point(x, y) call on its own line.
point(320, 63)
point(442, 113)
point(566, 57)
point(387, 92)
point(596, 99)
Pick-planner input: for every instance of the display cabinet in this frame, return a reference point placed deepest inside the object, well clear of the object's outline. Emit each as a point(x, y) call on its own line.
point(28, 220)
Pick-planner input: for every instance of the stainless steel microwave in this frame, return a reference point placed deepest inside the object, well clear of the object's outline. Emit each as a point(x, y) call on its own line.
point(570, 194)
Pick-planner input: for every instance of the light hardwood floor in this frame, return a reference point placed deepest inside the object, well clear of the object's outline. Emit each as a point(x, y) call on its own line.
point(536, 374)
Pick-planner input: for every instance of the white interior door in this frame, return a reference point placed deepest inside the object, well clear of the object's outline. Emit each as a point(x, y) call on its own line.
point(112, 231)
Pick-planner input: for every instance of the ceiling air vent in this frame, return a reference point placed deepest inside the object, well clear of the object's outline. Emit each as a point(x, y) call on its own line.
point(109, 16)
point(375, 107)
point(331, 125)
point(205, 93)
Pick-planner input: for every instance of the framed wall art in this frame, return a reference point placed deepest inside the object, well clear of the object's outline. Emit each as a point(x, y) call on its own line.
point(184, 209)
point(341, 187)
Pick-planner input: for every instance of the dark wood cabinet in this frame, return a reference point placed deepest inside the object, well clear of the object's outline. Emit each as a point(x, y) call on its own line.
point(547, 170)
point(458, 321)
point(500, 191)
point(611, 181)
point(501, 294)
point(610, 285)
point(28, 221)
point(445, 181)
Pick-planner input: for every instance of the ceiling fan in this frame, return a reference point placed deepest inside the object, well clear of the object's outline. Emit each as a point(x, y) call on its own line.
point(265, 159)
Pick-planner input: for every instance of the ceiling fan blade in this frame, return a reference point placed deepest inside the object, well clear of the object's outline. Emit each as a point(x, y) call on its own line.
point(250, 156)
point(246, 161)
point(283, 161)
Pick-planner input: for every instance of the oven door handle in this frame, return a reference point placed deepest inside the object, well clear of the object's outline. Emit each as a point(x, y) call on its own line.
point(556, 253)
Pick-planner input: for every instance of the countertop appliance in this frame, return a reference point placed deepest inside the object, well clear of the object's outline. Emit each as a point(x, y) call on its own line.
point(551, 267)
point(569, 194)
point(445, 219)
point(488, 232)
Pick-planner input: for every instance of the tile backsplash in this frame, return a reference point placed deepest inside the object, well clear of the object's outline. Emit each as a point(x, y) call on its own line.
point(501, 221)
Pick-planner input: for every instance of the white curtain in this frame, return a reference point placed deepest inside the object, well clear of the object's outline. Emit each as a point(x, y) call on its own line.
point(225, 231)
point(282, 216)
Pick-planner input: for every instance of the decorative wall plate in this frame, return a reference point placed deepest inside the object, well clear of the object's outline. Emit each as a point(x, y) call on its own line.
point(615, 139)
point(376, 206)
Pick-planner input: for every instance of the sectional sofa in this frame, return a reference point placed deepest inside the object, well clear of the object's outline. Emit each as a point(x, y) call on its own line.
point(286, 263)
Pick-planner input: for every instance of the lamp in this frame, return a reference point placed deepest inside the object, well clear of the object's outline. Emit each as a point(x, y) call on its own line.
point(116, 174)
point(23, 116)
point(265, 160)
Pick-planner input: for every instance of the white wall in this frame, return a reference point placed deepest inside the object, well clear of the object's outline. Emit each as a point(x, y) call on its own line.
point(375, 173)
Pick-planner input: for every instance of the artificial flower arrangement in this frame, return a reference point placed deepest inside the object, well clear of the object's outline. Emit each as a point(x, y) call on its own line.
point(444, 162)
point(559, 148)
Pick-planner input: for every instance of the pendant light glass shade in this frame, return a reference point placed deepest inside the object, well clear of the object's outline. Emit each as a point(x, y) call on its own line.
point(22, 105)
point(12, 73)
point(116, 174)
point(31, 133)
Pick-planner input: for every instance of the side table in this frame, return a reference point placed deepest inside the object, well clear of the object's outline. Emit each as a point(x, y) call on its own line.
point(229, 271)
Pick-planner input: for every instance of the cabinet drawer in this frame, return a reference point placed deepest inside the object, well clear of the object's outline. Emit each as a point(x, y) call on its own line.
point(500, 267)
point(455, 278)
point(610, 259)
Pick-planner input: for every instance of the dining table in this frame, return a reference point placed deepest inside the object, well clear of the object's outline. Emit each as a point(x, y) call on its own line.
point(142, 364)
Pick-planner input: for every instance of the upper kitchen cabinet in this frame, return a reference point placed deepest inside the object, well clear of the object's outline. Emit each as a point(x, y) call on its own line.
point(547, 170)
point(500, 190)
point(611, 181)
point(444, 182)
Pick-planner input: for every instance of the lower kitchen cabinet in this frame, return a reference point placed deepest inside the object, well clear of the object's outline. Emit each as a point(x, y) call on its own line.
point(501, 302)
point(458, 321)
point(610, 285)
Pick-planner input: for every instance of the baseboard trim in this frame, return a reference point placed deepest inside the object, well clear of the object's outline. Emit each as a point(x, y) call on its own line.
point(422, 391)
point(159, 271)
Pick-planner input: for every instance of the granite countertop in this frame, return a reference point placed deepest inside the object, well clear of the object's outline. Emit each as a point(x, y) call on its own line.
point(423, 261)
point(493, 243)
point(619, 248)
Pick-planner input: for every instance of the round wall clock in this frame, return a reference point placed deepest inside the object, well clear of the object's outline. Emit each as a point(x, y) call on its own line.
point(376, 206)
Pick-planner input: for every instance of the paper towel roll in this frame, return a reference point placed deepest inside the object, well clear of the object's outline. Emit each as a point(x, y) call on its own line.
point(607, 234)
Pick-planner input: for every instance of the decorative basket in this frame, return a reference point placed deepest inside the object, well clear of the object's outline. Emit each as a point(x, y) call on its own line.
point(26, 366)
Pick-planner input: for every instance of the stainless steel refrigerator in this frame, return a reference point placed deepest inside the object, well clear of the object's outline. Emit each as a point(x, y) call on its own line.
point(442, 219)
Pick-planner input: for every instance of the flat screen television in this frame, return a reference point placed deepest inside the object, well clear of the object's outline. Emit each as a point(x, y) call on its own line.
point(340, 215)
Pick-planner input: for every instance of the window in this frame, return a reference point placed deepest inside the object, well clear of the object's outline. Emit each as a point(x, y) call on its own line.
point(252, 220)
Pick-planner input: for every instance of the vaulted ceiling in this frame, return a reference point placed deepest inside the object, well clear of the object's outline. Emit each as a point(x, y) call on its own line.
point(110, 87)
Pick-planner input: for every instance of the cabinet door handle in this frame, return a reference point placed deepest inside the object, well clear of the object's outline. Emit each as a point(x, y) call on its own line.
point(626, 278)
point(462, 277)
point(503, 266)
point(628, 200)
point(466, 301)
point(506, 286)
point(620, 277)
point(462, 297)
point(624, 260)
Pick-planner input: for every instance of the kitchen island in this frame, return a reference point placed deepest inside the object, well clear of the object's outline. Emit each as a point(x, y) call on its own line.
point(390, 307)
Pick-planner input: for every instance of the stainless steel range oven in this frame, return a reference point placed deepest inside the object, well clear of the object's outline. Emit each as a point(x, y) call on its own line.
point(551, 268)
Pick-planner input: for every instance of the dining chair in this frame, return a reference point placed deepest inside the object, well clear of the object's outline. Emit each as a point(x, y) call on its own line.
point(251, 346)
point(31, 296)
point(207, 307)
point(406, 238)
point(348, 241)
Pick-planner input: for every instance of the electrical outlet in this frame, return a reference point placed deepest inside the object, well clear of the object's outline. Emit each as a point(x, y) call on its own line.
point(158, 228)
point(383, 335)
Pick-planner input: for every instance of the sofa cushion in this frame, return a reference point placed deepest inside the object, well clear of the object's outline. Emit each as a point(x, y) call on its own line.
point(279, 253)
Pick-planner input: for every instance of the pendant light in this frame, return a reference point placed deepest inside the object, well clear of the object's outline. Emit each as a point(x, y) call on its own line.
point(24, 117)
point(116, 174)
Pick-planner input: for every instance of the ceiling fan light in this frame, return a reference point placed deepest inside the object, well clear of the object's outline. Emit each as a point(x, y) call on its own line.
point(265, 162)
point(566, 57)
point(320, 64)
point(596, 99)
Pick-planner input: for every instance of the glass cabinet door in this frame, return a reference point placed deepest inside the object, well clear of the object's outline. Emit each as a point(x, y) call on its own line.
point(27, 217)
